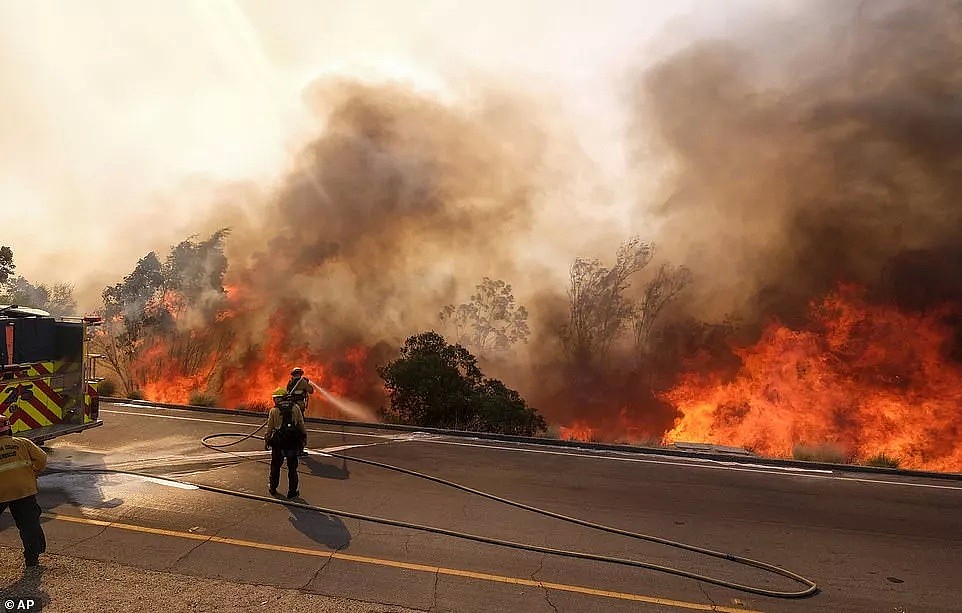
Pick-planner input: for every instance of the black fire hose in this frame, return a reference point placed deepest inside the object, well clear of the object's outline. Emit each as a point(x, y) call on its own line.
point(810, 586)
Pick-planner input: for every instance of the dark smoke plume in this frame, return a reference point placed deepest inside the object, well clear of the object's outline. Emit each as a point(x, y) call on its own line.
point(820, 148)
point(802, 151)
point(399, 205)
point(396, 204)
point(806, 152)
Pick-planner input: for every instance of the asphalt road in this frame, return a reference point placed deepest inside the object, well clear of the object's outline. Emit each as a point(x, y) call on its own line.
point(874, 544)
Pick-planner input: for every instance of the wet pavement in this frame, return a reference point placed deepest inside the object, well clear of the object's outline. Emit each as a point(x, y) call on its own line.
point(872, 544)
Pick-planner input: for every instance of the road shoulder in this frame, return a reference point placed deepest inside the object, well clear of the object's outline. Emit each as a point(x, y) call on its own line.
point(68, 583)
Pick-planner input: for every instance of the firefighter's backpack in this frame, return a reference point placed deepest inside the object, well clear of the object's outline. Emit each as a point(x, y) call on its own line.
point(287, 436)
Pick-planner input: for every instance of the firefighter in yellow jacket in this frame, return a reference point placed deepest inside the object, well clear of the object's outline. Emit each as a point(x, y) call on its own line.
point(20, 462)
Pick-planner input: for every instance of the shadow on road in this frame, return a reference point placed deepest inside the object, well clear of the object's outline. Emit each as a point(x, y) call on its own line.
point(321, 528)
point(327, 530)
point(28, 586)
point(326, 470)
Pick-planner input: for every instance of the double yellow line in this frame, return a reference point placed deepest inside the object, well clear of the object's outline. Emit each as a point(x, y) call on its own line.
point(454, 572)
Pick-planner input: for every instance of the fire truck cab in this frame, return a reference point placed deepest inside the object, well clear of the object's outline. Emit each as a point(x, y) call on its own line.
point(48, 382)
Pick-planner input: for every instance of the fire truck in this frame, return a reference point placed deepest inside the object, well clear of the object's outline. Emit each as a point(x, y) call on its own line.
point(48, 382)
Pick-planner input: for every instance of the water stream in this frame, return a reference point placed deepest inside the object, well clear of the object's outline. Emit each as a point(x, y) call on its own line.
point(354, 409)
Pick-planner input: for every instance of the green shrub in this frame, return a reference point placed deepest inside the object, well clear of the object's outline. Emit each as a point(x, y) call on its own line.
point(107, 388)
point(883, 460)
point(436, 384)
point(203, 399)
point(135, 395)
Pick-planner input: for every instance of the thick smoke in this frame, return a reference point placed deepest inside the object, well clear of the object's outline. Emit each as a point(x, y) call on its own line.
point(821, 149)
point(813, 149)
point(396, 204)
point(399, 205)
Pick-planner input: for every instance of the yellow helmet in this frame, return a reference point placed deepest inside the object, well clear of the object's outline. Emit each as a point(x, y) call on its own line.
point(279, 392)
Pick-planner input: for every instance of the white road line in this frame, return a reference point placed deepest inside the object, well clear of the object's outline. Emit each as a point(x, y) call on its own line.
point(688, 463)
point(329, 450)
point(167, 482)
point(907, 484)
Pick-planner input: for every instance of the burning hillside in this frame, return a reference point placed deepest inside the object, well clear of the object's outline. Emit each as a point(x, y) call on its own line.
point(174, 361)
point(870, 378)
point(356, 248)
point(808, 281)
point(816, 149)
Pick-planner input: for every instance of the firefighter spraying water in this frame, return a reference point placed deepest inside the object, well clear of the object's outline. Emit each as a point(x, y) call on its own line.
point(300, 388)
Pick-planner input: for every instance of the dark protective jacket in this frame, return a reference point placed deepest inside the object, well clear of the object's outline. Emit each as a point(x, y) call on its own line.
point(299, 389)
point(274, 422)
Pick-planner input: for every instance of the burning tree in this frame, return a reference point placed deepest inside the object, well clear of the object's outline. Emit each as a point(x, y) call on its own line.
point(667, 284)
point(144, 308)
point(433, 383)
point(130, 315)
point(615, 390)
point(491, 321)
point(598, 308)
point(195, 270)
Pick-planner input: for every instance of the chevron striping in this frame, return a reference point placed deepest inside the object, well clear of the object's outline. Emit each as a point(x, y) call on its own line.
point(43, 414)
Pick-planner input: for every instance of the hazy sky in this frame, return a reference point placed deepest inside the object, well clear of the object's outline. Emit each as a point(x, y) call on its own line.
point(117, 114)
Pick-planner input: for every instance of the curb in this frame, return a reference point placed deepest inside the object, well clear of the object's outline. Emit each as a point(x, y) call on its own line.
point(549, 442)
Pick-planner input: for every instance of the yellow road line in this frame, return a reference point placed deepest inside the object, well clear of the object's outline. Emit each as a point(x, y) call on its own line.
point(454, 572)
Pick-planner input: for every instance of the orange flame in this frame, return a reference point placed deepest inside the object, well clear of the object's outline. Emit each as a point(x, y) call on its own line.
point(577, 431)
point(175, 368)
point(867, 377)
point(269, 365)
point(164, 380)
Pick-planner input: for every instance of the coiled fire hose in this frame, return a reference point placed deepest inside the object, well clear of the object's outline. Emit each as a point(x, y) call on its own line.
point(810, 588)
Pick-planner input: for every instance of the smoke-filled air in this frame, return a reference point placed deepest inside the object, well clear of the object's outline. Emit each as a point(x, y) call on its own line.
point(744, 235)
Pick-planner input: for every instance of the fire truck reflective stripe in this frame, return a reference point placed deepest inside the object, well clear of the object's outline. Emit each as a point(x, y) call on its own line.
point(9, 398)
point(24, 418)
point(53, 395)
point(38, 369)
point(91, 401)
point(45, 414)
point(35, 415)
